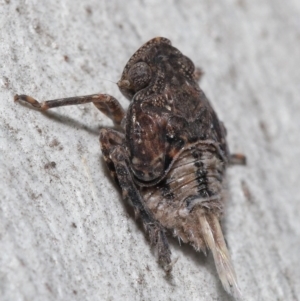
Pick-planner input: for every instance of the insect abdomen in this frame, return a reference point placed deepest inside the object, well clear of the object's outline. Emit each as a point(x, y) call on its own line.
point(193, 183)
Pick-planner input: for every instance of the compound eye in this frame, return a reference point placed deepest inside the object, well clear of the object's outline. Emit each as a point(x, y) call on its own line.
point(139, 75)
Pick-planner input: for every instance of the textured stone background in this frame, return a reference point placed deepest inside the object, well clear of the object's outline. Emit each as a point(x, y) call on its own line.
point(65, 233)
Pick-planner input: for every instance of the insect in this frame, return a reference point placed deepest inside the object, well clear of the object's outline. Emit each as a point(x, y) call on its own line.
point(171, 156)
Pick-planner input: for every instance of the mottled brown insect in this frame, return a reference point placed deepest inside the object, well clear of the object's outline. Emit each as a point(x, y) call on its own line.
point(170, 161)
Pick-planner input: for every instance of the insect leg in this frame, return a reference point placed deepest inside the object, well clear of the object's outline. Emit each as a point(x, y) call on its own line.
point(105, 103)
point(116, 158)
point(109, 139)
point(237, 159)
point(198, 74)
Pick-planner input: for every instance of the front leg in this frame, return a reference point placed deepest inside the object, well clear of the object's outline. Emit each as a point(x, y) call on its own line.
point(107, 104)
point(117, 160)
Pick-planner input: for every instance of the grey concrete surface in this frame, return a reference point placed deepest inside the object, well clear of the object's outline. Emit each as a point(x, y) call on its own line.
point(65, 233)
